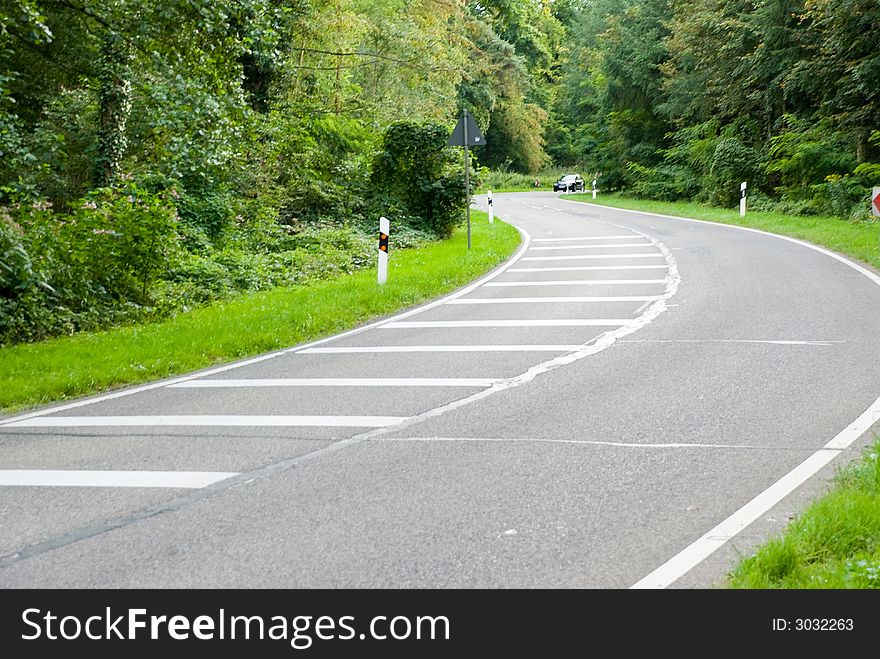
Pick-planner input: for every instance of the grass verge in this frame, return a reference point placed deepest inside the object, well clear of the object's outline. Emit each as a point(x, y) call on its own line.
point(834, 544)
point(861, 240)
point(68, 367)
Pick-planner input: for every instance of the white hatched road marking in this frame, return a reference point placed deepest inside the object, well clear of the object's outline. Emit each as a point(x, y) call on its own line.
point(554, 300)
point(574, 282)
point(93, 478)
point(555, 247)
point(568, 240)
point(583, 268)
point(339, 382)
point(747, 341)
point(207, 420)
point(591, 256)
point(461, 348)
point(570, 322)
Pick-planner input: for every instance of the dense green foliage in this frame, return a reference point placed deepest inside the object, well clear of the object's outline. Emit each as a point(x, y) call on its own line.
point(684, 100)
point(158, 155)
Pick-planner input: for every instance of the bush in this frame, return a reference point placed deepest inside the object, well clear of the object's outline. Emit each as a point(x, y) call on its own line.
point(420, 176)
point(95, 266)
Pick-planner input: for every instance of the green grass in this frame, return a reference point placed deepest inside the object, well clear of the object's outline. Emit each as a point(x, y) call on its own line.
point(86, 363)
point(860, 240)
point(834, 544)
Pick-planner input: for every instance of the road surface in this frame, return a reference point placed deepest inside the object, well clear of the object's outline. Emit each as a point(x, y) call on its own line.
point(632, 400)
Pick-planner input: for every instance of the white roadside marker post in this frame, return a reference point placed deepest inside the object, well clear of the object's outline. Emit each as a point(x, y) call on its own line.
point(594, 188)
point(742, 199)
point(384, 230)
point(491, 211)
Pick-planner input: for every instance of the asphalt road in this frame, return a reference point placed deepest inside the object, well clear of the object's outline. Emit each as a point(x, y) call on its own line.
point(587, 417)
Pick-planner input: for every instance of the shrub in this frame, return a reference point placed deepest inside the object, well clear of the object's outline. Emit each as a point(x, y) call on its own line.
point(420, 175)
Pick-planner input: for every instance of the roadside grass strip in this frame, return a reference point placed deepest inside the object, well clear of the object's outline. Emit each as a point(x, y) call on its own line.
point(835, 543)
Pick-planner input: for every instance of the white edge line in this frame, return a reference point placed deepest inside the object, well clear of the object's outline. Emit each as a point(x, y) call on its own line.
point(695, 553)
point(93, 478)
point(254, 360)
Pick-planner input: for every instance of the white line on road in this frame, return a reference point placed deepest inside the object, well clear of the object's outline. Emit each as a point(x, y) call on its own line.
point(568, 240)
point(555, 247)
point(564, 322)
point(591, 256)
point(758, 341)
point(554, 300)
point(88, 478)
point(338, 382)
point(458, 348)
point(575, 282)
point(583, 268)
point(206, 420)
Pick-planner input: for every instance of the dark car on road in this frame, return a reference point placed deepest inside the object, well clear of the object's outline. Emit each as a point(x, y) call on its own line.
point(569, 183)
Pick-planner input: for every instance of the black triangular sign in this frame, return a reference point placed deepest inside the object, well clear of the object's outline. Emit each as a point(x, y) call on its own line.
point(474, 136)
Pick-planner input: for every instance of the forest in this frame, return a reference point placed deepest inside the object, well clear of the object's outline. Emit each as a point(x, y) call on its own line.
point(156, 156)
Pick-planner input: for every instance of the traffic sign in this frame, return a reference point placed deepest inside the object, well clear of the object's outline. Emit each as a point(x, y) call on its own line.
point(875, 202)
point(466, 133)
point(473, 135)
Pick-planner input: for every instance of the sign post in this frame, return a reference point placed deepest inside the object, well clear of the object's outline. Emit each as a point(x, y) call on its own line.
point(491, 211)
point(875, 202)
point(742, 199)
point(384, 230)
point(466, 133)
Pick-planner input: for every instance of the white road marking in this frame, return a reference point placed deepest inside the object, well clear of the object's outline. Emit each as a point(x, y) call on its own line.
point(255, 360)
point(575, 282)
point(554, 300)
point(339, 382)
point(569, 322)
point(582, 268)
point(759, 341)
point(89, 478)
point(591, 256)
point(457, 348)
point(555, 247)
point(600, 343)
point(206, 420)
point(568, 240)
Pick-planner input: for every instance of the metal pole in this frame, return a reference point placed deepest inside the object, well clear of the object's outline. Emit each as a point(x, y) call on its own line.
point(467, 179)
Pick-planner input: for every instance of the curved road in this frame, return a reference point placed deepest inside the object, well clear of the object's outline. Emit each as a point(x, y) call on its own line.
point(633, 400)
